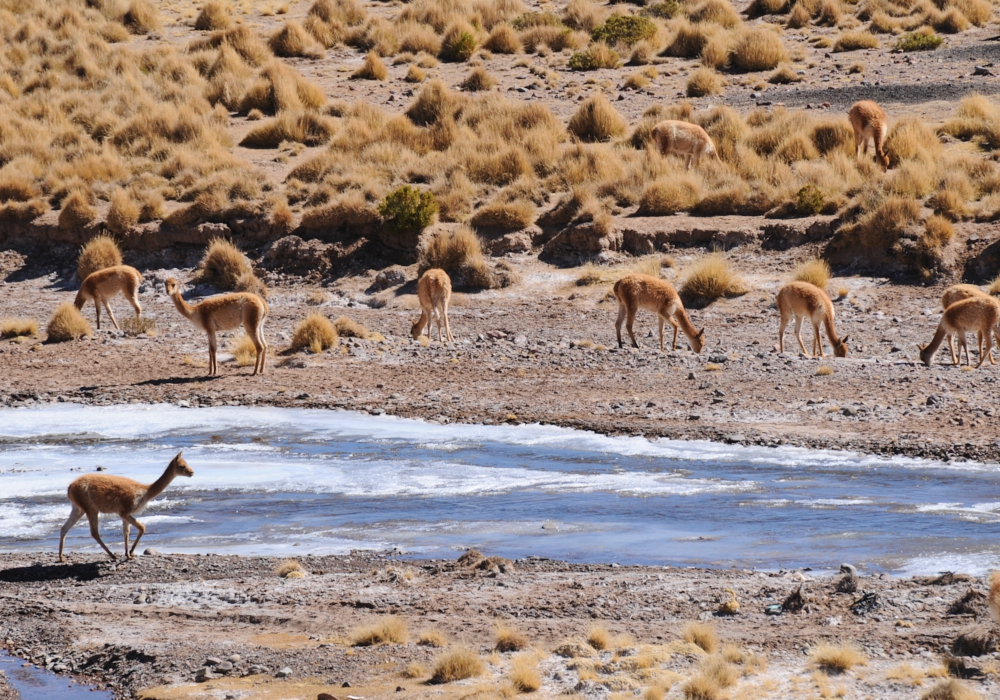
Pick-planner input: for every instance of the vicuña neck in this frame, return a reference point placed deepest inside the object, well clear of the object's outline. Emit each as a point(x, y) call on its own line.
point(183, 307)
point(160, 485)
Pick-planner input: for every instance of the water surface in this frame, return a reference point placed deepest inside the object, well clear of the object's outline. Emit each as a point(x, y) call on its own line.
point(295, 481)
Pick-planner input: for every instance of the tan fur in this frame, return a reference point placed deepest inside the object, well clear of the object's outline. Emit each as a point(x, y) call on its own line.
point(869, 122)
point(973, 314)
point(994, 598)
point(803, 300)
point(956, 293)
point(689, 141)
point(93, 494)
point(224, 313)
point(434, 293)
point(638, 291)
point(103, 285)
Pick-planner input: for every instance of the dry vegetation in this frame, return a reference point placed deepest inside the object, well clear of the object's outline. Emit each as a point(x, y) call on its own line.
point(314, 333)
point(457, 665)
point(387, 630)
point(712, 278)
point(98, 253)
point(67, 323)
point(509, 639)
point(702, 635)
point(288, 567)
point(18, 327)
point(836, 658)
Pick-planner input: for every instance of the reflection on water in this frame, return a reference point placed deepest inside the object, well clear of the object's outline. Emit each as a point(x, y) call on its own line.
point(279, 481)
point(38, 684)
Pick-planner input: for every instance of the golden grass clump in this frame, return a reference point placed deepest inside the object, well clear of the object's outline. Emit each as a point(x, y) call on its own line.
point(701, 635)
point(757, 49)
point(785, 75)
point(432, 638)
point(76, 211)
point(478, 80)
point(720, 670)
point(142, 17)
point(509, 639)
point(855, 41)
point(293, 41)
point(307, 128)
point(123, 213)
point(836, 658)
point(387, 630)
point(18, 327)
point(911, 139)
point(67, 323)
point(994, 287)
point(243, 349)
point(223, 265)
point(951, 689)
point(349, 328)
point(712, 278)
point(703, 82)
point(97, 253)
point(457, 665)
point(824, 371)
point(599, 637)
point(669, 194)
point(701, 687)
point(215, 15)
point(457, 252)
point(938, 232)
point(503, 40)
point(815, 271)
point(373, 68)
point(596, 120)
point(415, 74)
point(523, 673)
point(413, 671)
point(142, 325)
point(434, 102)
point(315, 333)
point(288, 567)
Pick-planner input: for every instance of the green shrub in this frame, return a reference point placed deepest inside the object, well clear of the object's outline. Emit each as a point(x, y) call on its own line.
point(408, 209)
point(917, 41)
point(663, 10)
point(626, 30)
point(597, 55)
point(536, 19)
point(809, 200)
point(463, 47)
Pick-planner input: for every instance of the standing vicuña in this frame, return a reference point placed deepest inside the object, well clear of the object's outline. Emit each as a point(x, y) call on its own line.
point(93, 494)
point(973, 314)
point(869, 122)
point(638, 291)
point(803, 300)
point(434, 293)
point(957, 293)
point(224, 313)
point(103, 285)
point(688, 141)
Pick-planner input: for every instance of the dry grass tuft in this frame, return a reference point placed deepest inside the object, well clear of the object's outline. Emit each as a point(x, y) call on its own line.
point(598, 636)
point(306, 128)
point(951, 689)
point(67, 323)
point(243, 349)
point(287, 567)
point(415, 75)
point(124, 212)
point(458, 252)
point(855, 41)
point(824, 371)
point(143, 325)
point(701, 635)
point(387, 630)
point(814, 271)
point(479, 80)
point(504, 40)
point(432, 638)
point(373, 68)
point(938, 232)
point(434, 102)
point(293, 41)
point(223, 265)
point(215, 15)
point(721, 671)
point(316, 333)
point(414, 671)
point(993, 288)
point(836, 658)
point(523, 673)
point(349, 328)
point(457, 665)
point(18, 328)
point(97, 253)
point(76, 212)
point(701, 687)
point(757, 49)
point(509, 639)
point(596, 120)
point(703, 82)
point(785, 75)
point(712, 278)
point(142, 17)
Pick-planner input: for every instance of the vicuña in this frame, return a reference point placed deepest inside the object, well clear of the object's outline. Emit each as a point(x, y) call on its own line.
point(689, 141)
point(103, 285)
point(978, 314)
point(434, 293)
point(224, 313)
point(957, 293)
point(93, 494)
point(869, 123)
point(638, 291)
point(800, 300)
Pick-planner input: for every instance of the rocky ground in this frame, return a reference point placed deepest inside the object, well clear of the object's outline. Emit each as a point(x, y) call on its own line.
point(544, 350)
point(6, 692)
point(178, 626)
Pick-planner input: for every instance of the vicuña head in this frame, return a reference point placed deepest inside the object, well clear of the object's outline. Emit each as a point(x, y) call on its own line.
point(93, 494)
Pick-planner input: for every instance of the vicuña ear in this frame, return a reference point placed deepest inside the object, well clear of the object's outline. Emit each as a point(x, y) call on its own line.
point(845, 339)
point(701, 333)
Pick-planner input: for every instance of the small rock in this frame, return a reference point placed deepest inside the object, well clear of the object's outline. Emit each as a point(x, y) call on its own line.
point(326, 696)
point(213, 661)
point(283, 673)
point(848, 569)
point(235, 659)
point(347, 684)
point(150, 552)
point(225, 667)
point(204, 674)
point(932, 400)
point(980, 70)
point(101, 469)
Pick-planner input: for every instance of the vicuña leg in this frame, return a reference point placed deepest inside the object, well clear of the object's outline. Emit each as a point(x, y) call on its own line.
point(798, 335)
point(92, 516)
point(817, 341)
point(989, 350)
point(125, 534)
point(629, 321)
point(660, 319)
point(73, 519)
point(212, 347)
point(618, 324)
point(447, 324)
point(111, 314)
point(140, 530)
point(781, 333)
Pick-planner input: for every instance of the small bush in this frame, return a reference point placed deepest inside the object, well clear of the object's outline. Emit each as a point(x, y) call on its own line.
point(293, 41)
point(523, 673)
point(918, 41)
point(243, 349)
point(76, 212)
point(314, 333)
point(596, 120)
point(432, 638)
point(701, 687)
point(388, 630)
point(720, 670)
point(123, 213)
point(663, 10)
point(836, 658)
point(457, 665)
point(459, 43)
point(814, 271)
point(408, 209)
point(701, 635)
point(97, 253)
point(951, 689)
point(479, 80)
point(434, 102)
point(703, 82)
point(450, 250)
point(215, 15)
point(855, 41)
point(307, 128)
point(415, 75)
point(509, 639)
point(349, 328)
point(938, 232)
point(142, 17)
point(67, 323)
point(223, 265)
point(757, 49)
point(668, 195)
point(287, 567)
point(597, 55)
point(784, 76)
point(809, 200)
point(18, 327)
point(372, 69)
point(503, 40)
point(625, 30)
point(712, 278)
point(824, 371)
